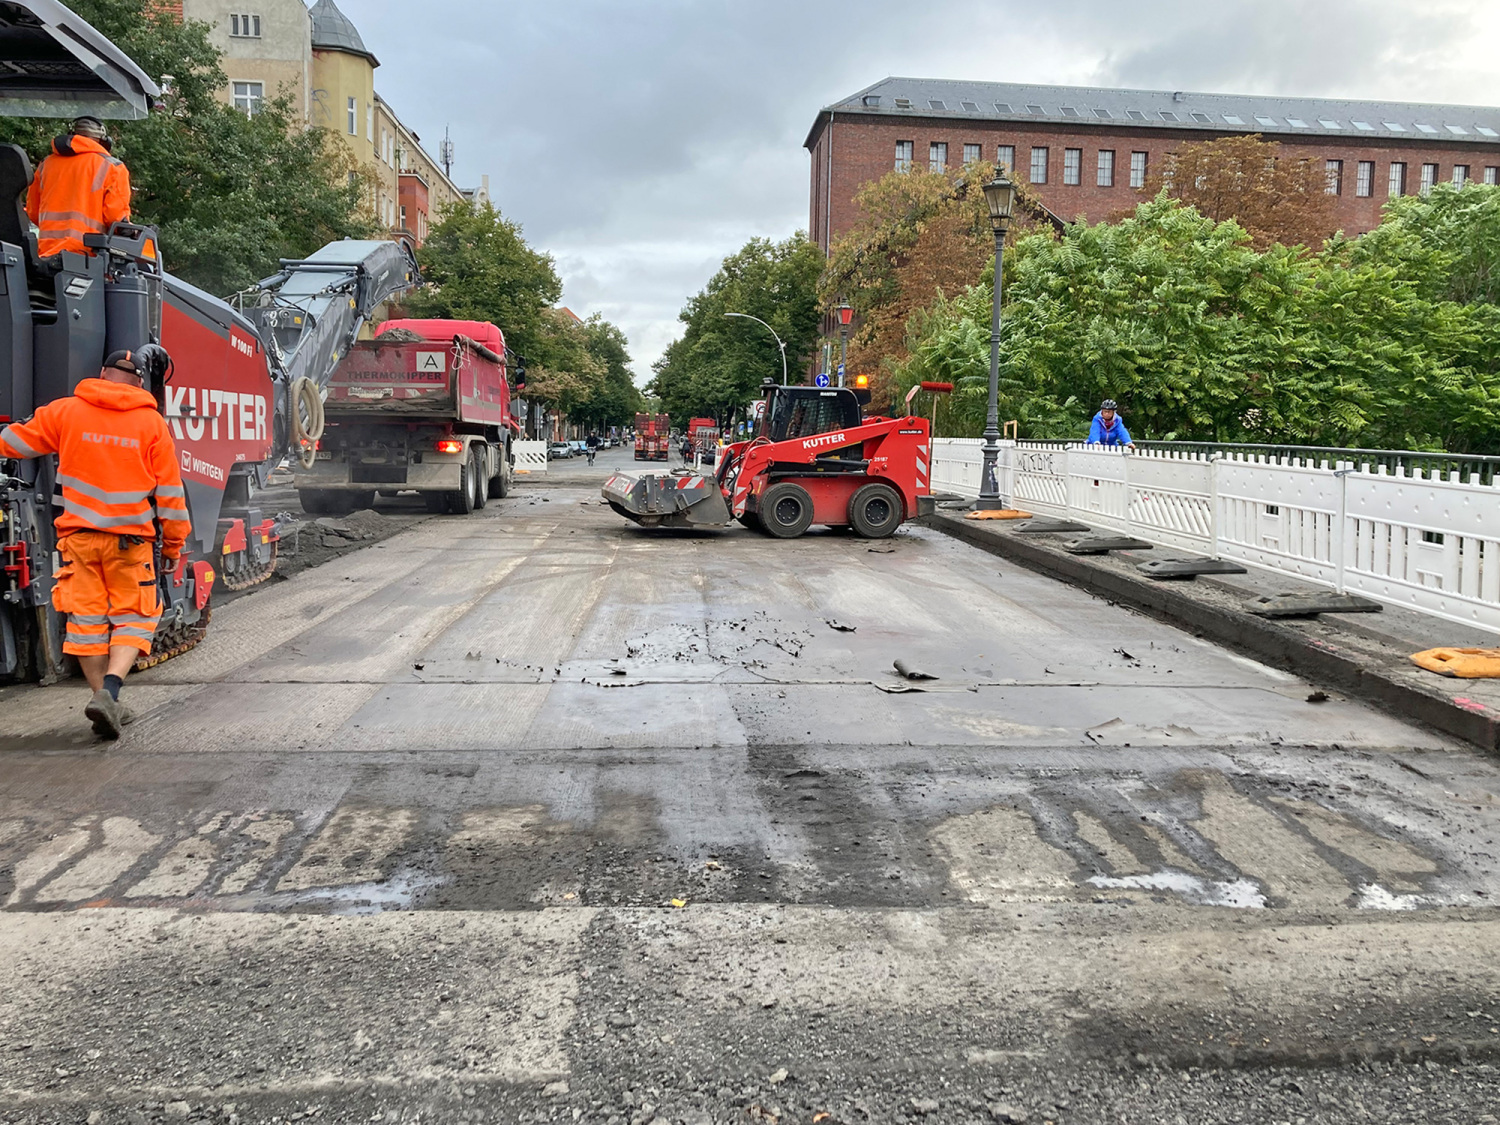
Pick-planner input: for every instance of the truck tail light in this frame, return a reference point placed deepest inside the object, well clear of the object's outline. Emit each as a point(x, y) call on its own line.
point(450, 445)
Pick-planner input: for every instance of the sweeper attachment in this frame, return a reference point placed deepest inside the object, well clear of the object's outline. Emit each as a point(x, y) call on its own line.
point(814, 460)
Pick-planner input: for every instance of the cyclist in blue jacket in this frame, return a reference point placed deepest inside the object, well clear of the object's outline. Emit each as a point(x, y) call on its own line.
point(1108, 428)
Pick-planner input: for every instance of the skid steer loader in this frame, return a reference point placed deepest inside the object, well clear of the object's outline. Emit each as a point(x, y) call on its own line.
point(814, 459)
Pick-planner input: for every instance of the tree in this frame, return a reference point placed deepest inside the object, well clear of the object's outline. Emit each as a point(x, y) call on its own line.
point(719, 363)
point(616, 400)
point(477, 266)
point(229, 194)
point(1246, 179)
point(1203, 337)
point(920, 235)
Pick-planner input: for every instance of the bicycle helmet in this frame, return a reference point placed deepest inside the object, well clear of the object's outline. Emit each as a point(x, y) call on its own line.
point(1109, 404)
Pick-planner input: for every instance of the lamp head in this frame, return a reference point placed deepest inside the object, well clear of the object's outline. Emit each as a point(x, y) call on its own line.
point(846, 314)
point(1000, 197)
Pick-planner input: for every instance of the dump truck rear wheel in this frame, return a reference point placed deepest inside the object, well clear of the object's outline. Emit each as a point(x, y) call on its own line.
point(786, 510)
point(461, 503)
point(317, 501)
point(875, 511)
point(500, 482)
point(481, 486)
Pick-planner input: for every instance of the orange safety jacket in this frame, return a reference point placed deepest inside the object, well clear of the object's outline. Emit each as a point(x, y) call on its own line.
point(80, 189)
point(114, 455)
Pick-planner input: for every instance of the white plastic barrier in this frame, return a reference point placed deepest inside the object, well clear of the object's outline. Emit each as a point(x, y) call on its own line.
point(1419, 540)
point(531, 456)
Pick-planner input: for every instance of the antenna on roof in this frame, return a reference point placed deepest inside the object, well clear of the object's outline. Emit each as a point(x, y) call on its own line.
point(445, 153)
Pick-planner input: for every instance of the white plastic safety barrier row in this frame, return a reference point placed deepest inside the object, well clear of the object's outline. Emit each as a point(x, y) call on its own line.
point(1424, 541)
point(531, 456)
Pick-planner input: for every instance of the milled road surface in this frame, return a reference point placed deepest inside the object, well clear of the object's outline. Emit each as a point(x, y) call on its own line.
point(534, 815)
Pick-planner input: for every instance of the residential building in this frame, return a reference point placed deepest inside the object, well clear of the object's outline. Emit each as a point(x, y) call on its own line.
point(1087, 152)
point(318, 57)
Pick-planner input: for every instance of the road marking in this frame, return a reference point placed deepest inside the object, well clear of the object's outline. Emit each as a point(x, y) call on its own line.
point(124, 843)
point(265, 833)
point(1120, 859)
point(1262, 847)
point(996, 856)
point(355, 846)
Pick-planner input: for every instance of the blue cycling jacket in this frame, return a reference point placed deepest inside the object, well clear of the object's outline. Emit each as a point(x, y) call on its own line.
point(1114, 435)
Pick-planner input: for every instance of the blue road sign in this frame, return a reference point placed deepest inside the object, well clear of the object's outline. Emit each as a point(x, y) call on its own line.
point(841, 374)
point(821, 379)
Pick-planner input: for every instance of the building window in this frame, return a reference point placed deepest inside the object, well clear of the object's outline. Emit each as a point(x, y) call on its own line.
point(973, 154)
point(1106, 176)
point(370, 123)
point(903, 156)
point(403, 216)
point(249, 97)
point(1137, 169)
point(1072, 165)
point(1334, 171)
point(937, 156)
point(1396, 186)
point(1460, 174)
point(1364, 184)
point(353, 118)
point(1492, 175)
point(1429, 177)
point(1005, 157)
point(244, 26)
point(1039, 165)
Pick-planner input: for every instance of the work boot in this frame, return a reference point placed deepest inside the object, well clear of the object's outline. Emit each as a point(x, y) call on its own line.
point(104, 712)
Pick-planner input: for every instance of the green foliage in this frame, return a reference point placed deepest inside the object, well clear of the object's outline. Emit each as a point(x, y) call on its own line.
point(718, 365)
point(478, 266)
point(1388, 341)
point(229, 194)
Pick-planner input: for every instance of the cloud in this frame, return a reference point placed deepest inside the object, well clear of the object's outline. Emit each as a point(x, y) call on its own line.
point(640, 143)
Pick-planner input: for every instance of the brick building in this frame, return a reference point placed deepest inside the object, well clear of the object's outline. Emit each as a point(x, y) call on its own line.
point(1086, 152)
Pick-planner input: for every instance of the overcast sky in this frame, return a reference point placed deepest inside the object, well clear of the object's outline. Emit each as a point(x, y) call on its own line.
point(640, 141)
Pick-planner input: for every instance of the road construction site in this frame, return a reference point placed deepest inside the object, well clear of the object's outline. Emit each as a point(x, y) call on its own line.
point(553, 817)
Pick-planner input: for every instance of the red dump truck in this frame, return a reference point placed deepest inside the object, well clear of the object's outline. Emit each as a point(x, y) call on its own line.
point(653, 434)
point(423, 407)
point(704, 435)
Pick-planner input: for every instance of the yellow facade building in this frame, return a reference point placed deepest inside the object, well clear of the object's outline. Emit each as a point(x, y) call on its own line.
point(317, 58)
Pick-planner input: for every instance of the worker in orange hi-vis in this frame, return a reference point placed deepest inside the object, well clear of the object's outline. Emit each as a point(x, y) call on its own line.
point(117, 467)
point(80, 189)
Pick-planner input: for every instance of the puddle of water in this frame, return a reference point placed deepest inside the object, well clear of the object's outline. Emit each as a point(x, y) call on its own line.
point(1242, 894)
point(396, 893)
point(1372, 896)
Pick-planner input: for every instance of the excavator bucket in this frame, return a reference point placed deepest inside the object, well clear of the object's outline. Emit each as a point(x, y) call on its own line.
point(680, 499)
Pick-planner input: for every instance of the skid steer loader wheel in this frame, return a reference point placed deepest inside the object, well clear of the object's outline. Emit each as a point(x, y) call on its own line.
point(875, 511)
point(786, 510)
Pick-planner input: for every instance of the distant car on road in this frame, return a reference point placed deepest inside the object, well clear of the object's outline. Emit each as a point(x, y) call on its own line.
point(559, 450)
point(580, 448)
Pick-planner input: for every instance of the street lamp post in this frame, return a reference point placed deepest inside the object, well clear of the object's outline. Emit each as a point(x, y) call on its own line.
point(1000, 197)
point(846, 314)
point(772, 331)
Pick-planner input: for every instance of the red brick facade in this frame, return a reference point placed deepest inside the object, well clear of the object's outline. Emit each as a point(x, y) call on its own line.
point(851, 149)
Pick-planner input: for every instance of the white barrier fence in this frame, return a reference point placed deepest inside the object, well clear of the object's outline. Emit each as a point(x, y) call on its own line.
point(1425, 541)
point(531, 456)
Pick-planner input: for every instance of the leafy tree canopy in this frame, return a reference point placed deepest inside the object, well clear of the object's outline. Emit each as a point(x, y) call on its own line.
point(229, 194)
point(1388, 341)
point(718, 365)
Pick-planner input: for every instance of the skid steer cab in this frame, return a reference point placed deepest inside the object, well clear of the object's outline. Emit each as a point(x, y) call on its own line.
point(814, 460)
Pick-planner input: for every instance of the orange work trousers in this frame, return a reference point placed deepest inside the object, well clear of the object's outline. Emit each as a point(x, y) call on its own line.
point(107, 587)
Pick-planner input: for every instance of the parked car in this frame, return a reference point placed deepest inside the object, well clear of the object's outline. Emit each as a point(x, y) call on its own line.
point(580, 448)
point(559, 450)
